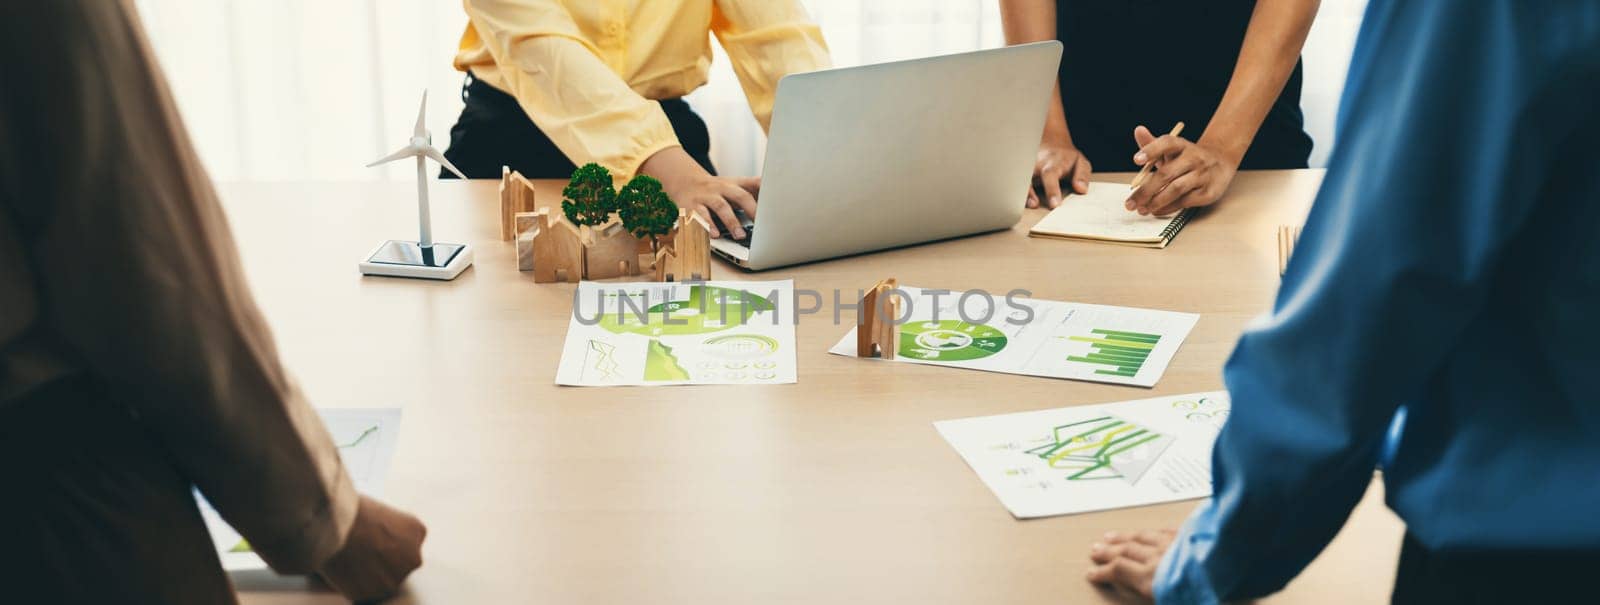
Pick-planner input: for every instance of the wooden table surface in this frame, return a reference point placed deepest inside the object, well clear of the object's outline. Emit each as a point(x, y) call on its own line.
point(833, 490)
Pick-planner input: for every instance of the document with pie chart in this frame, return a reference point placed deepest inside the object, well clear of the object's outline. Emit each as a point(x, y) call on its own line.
point(1094, 457)
point(1076, 341)
point(655, 334)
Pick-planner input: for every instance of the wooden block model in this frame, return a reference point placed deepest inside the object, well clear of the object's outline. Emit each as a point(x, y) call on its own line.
point(875, 333)
point(528, 226)
point(516, 196)
point(557, 249)
point(665, 262)
point(691, 245)
point(610, 251)
point(685, 254)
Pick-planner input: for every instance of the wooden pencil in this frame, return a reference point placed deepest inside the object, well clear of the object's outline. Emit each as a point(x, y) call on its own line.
point(1144, 172)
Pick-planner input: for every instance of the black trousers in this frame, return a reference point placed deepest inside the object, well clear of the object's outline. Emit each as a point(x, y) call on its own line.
point(493, 131)
point(95, 510)
point(1494, 578)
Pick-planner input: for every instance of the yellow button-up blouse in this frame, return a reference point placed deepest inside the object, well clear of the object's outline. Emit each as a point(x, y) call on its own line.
point(587, 71)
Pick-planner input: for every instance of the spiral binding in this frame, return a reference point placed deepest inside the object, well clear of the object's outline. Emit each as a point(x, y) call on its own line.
point(1177, 224)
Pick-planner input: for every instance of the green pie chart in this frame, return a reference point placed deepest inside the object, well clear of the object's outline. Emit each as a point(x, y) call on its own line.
point(708, 309)
point(949, 340)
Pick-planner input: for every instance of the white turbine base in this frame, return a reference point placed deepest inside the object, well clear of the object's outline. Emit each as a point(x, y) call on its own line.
point(400, 258)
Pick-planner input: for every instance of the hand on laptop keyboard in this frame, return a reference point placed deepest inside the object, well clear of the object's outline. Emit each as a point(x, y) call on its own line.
point(749, 234)
point(749, 228)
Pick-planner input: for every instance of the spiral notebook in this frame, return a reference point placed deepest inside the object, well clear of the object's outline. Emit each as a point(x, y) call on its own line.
point(1100, 216)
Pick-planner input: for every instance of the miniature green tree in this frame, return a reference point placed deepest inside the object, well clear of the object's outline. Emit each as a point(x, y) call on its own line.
point(646, 210)
point(588, 198)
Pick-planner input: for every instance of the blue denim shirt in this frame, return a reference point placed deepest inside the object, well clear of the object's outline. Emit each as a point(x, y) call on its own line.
point(1447, 285)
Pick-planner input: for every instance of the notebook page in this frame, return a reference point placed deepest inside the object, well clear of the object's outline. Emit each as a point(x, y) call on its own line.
point(1100, 214)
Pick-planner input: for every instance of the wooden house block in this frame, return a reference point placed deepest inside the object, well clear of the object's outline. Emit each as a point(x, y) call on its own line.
point(528, 226)
point(664, 263)
point(557, 249)
point(516, 197)
point(611, 251)
point(691, 245)
point(875, 330)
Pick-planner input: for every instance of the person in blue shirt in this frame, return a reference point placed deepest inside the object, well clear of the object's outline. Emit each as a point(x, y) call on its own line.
point(1440, 319)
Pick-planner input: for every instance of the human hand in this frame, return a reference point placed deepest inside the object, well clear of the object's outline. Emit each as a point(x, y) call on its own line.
point(1128, 561)
point(1056, 163)
point(384, 546)
point(1186, 174)
point(694, 189)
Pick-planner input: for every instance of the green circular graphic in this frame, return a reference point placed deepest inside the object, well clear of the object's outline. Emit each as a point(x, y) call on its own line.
point(709, 309)
point(949, 340)
point(740, 346)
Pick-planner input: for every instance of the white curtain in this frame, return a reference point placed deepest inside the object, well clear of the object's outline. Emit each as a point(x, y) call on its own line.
point(312, 90)
point(307, 90)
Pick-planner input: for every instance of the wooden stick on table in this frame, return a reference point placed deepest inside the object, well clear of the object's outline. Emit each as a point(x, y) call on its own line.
point(1144, 172)
point(1287, 236)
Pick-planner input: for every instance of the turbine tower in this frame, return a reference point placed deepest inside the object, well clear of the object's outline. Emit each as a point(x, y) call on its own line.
point(422, 258)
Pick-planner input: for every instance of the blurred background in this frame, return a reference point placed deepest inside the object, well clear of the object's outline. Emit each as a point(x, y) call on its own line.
point(312, 90)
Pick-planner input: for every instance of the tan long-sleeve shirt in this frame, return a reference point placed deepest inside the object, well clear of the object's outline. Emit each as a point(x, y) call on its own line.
point(586, 71)
point(116, 261)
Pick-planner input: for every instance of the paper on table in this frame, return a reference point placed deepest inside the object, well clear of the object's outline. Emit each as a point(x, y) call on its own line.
point(366, 439)
point(701, 333)
point(1094, 457)
point(1076, 341)
point(1101, 215)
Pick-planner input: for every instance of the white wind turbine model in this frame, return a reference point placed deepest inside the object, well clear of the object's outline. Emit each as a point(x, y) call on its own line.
point(422, 258)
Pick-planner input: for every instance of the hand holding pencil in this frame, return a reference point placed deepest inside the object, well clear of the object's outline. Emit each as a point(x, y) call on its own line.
point(1177, 173)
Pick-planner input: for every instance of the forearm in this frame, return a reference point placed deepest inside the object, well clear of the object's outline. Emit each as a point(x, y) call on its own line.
point(674, 167)
point(1025, 21)
point(1267, 57)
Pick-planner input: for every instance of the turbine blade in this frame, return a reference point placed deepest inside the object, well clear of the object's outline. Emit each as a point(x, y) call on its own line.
point(405, 152)
point(422, 112)
point(439, 157)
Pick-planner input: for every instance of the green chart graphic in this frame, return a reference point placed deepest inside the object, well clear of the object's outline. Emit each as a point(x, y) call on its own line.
point(708, 309)
point(740, 346)
point(1124, 352)
point(949, 340)
point(359, 438)
point(660, 365)
point(1102, 448)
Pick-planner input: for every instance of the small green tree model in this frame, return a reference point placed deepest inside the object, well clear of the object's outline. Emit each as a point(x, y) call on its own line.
point(646, 210)
point(588, 198)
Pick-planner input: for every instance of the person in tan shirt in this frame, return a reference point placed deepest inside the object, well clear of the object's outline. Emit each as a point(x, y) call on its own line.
point(134, 365)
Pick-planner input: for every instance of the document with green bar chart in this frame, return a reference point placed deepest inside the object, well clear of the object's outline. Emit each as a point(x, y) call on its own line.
point(366, 439)
point(1094, 457)
point(655, 334)
point(1076, 341)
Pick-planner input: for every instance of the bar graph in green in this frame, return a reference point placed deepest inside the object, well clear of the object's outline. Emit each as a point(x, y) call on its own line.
point(1122, 352)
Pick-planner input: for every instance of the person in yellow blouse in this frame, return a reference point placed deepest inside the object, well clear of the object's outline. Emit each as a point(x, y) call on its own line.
point(553, 84)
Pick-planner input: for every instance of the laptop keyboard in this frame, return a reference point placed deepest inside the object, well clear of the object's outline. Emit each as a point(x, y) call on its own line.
point(749, 233)
point(749, 228)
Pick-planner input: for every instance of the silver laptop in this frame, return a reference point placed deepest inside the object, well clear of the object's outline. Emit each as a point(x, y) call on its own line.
point(881, 156)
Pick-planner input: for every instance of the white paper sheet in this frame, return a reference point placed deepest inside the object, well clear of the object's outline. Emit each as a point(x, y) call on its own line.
point(1097, 343)
point(702, 333)
point(1094, 457)
point(366, 438)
